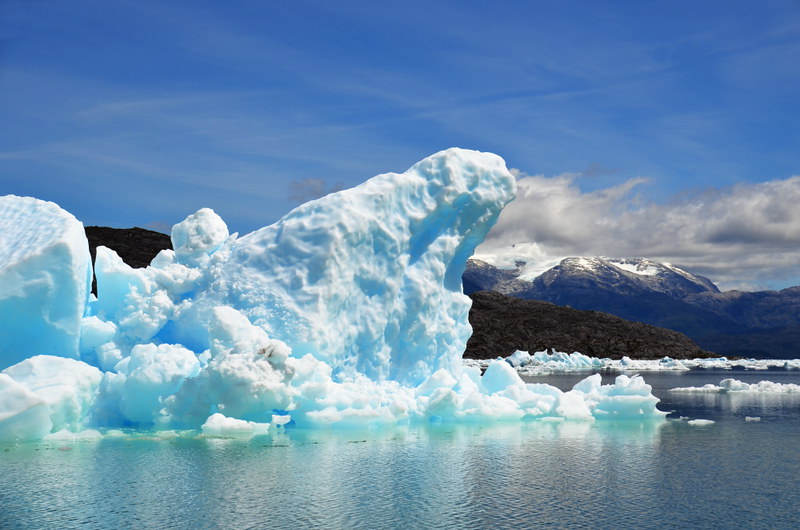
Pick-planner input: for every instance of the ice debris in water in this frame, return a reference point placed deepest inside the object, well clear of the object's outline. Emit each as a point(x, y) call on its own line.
point(346, 312)
point(736, 386)
point(554, 362)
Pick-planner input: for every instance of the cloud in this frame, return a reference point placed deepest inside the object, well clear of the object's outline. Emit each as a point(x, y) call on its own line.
point(743, 236)
point(309, 189)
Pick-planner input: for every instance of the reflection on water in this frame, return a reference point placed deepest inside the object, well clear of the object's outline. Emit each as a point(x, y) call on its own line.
point(539, 474)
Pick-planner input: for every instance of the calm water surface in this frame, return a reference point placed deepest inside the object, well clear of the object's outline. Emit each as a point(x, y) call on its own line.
point(732, 474)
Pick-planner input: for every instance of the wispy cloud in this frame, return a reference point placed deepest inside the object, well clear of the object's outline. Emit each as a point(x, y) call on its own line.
point(745, 235)
point(309, 189)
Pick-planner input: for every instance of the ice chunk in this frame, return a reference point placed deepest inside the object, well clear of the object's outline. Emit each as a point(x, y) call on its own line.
point(44, 279)
point(499, 376)
point(198, 236)
point(245, 378)
point(153, 373)
point(65, 435)
point(700, 422)
point(68, 387)
point(131, 298)
point(736, 386)
point(519, 358)
point(218, 425)
point(628, 397)
point(96, 334)
point(23, 414)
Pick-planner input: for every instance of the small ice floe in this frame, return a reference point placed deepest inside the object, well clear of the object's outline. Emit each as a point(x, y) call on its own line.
point(552, 361)
point(65, 435)
point(752, 418)
point(736, 386)
point(700, 422)
point(219, 426)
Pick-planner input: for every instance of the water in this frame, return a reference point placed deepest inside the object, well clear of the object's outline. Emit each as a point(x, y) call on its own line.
point(733, 473)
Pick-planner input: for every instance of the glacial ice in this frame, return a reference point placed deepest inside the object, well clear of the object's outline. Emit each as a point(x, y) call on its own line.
point(346, 312)
point(45, 273)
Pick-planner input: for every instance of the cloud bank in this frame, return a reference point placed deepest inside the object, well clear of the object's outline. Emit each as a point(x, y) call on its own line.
point(746, 236)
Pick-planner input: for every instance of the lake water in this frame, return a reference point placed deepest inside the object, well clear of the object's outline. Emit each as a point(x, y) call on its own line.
point(733, 473)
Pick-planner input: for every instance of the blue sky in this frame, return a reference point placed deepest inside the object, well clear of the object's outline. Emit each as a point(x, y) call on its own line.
point(141, 112)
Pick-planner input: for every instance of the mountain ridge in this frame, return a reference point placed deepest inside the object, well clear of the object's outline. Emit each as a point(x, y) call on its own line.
point(728, 323)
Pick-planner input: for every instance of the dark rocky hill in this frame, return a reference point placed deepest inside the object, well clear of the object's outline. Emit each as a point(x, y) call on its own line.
point(136, 246)
point(503, 324)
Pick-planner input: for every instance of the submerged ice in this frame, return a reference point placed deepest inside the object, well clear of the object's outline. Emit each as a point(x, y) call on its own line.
point(347, 311)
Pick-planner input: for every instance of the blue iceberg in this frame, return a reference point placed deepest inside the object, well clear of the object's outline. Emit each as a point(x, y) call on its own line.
point(346, 312)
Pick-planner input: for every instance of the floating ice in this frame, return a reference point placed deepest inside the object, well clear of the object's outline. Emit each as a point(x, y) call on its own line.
point(700, 422)
point(66, 386)
point(346, 312)
point(736, 386)
point(44, 279)
point(23, 414)
point(543, 363)
point(218, 425)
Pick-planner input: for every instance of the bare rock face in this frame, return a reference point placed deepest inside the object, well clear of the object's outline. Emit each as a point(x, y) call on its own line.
point(136, 246)
point(502, 324)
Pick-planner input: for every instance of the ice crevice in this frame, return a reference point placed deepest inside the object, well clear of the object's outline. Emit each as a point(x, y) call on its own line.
point(348, 311)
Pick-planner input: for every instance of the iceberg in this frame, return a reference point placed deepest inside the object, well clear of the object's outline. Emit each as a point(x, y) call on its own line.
point(348, 311)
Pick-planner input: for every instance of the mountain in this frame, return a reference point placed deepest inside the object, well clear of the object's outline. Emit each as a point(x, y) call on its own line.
point(763, 324)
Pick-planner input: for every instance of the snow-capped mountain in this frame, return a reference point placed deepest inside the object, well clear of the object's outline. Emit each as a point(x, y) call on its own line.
point(765, 323)
point(629, 276)
point(625, 276)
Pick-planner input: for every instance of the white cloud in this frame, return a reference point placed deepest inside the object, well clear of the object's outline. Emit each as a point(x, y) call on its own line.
point(746, 236)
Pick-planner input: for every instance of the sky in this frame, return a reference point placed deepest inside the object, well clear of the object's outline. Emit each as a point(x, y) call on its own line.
point(666, 130)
